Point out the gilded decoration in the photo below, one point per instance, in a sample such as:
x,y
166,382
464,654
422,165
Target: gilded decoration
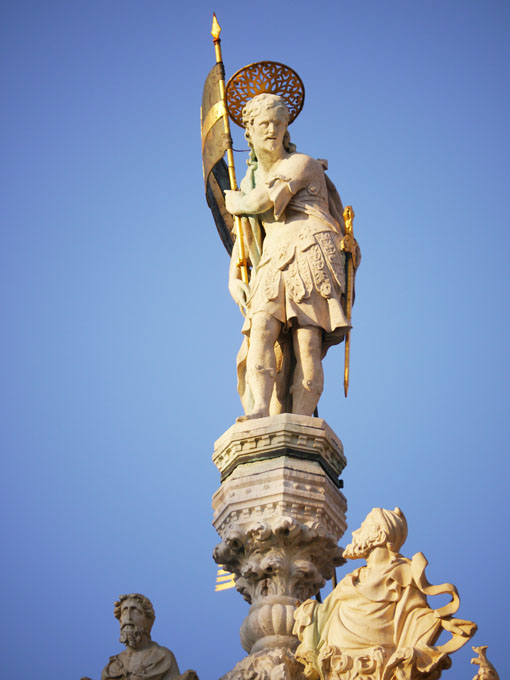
x,y
264,76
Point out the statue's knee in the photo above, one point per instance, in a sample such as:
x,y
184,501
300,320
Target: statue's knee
x,y
310,385
312,375
314,385
264,324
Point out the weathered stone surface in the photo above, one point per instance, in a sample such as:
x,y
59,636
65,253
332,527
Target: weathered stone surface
x,y
278,487
280,517
274,664
277,564
142,657
280,435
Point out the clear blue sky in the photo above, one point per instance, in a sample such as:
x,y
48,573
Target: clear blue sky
x,y
119,336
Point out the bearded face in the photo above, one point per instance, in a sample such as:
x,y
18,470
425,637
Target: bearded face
x,y
267,131
134,636
364,540
135,626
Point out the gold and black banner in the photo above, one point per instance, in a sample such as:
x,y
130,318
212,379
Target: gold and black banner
x,y
214,146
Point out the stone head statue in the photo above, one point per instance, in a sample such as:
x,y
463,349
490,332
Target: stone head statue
x,y
381,527
135,614
142,657
272,106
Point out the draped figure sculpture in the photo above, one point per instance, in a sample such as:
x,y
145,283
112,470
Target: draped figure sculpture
x,y
295,300
377,624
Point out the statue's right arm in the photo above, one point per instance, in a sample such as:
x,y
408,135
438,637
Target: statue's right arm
x,y
254,202
238,289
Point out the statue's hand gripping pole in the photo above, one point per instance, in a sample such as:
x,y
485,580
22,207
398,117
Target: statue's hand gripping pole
x,y
350,246
242,262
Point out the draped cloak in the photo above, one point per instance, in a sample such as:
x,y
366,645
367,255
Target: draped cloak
x,y
155,663
373,623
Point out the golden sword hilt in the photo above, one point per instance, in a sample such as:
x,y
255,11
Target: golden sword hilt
x,y
349,243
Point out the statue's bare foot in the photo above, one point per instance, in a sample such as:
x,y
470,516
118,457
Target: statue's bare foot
x,y
259,413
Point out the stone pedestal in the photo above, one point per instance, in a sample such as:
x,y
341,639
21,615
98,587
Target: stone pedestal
x,y
280,514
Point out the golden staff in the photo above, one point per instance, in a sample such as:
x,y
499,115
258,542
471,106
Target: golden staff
x,y
242,262
350,246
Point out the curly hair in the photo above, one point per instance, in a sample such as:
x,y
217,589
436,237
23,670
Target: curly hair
x,y
144,601
262,102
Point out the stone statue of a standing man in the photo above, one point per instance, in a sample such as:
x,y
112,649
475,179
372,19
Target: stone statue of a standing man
x,y
295,300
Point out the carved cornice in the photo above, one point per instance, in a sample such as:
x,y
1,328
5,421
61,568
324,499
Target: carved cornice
x,y
285,434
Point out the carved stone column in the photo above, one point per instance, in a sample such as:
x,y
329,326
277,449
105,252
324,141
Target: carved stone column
x,y
280,514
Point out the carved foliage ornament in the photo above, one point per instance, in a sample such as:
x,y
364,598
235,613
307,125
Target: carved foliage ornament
x,y
276,566
285,557
264,76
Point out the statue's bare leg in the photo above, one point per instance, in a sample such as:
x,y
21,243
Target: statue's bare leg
x,y
261,362
308,380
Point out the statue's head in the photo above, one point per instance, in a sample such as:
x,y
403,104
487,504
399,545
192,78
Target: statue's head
x,y
386,528
265,118
136,616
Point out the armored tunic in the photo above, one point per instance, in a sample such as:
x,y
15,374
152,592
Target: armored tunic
x,y
300,277
298,268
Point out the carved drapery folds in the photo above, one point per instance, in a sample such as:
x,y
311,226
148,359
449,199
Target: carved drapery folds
x,y
378,624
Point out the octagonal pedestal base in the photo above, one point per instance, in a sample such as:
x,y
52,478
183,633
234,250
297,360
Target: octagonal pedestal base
x,y
280,514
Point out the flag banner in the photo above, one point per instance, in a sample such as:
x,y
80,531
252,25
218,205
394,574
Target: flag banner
x,y
214,146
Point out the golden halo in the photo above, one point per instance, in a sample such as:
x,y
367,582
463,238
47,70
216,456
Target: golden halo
x,y
264,76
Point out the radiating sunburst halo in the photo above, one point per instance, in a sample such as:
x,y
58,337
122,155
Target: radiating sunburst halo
x,y
264,76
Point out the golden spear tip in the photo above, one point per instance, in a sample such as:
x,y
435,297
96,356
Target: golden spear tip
x,y
216,28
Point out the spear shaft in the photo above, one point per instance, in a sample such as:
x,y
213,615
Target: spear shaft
x,y
242,262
